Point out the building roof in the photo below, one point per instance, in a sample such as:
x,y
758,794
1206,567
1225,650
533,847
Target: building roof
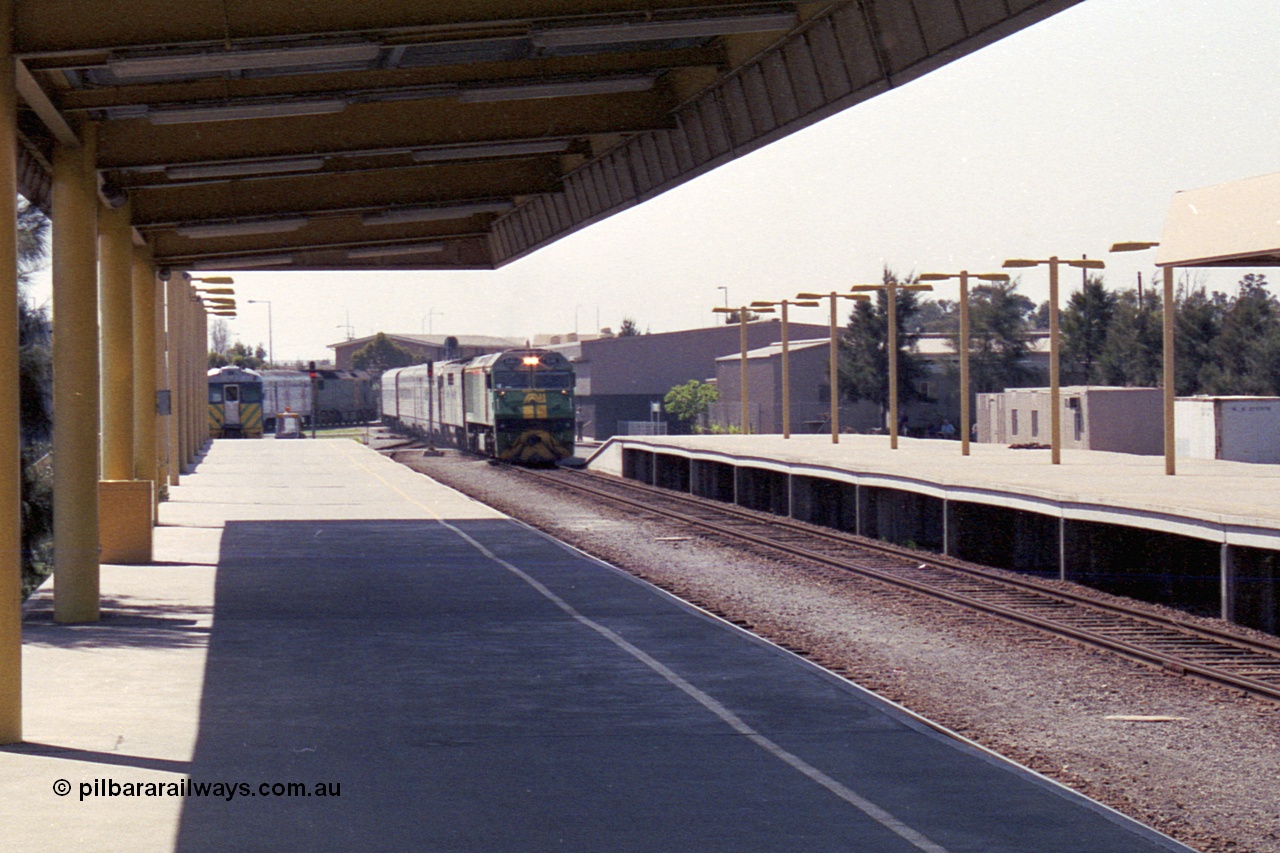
x,y
438,340
930,345
772,350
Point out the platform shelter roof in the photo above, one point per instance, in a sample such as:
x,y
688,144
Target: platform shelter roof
x,y
1235,224
329,134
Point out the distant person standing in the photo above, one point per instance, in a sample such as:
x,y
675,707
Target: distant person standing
x,y
947,430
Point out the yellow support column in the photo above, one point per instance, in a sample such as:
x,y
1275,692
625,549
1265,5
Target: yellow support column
x,y
125,501
173,352
75,382
195,407
202,356
115,289
187,321
146,460
161,367
146,457
10,443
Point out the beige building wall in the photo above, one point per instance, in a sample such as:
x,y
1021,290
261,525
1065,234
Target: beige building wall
x,y
1120,420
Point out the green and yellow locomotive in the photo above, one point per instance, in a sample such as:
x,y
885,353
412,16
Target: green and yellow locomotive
x,y
515,405
235,403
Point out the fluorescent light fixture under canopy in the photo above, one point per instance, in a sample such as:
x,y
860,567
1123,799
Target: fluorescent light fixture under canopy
x,y
658,30
243,228
243,168
215,62
243,262
396,250
556,89
434,214
493,149
237,112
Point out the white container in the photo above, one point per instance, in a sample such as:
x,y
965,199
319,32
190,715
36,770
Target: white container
x,y
1239,429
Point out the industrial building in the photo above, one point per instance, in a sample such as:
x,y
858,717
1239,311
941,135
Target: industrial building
x,y
619,379
809,391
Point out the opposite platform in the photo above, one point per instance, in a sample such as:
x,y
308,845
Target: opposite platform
x,y
1233,503
435,676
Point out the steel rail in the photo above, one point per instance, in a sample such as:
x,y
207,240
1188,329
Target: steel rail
x,y
1164,660
985,574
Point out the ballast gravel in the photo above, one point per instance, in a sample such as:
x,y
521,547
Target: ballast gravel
x,y
1197,762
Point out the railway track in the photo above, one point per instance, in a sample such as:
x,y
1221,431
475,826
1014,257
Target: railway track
x,y
1219,656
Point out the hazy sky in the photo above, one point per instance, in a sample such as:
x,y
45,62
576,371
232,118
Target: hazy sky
x,y
1061,139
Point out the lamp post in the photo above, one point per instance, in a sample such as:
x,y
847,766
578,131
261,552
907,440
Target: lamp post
x,y
786,365
1167,359
834,362
964,276
891,289
271,343
1055,416
742,315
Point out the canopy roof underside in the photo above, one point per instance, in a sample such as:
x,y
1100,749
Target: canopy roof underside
x,y
273,134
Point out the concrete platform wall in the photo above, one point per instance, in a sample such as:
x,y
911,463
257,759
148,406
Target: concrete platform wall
x,y
1185,564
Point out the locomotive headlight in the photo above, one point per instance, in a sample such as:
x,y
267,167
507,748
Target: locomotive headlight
x,y
530,361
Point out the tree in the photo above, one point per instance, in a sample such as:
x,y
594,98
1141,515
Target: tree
x,y
864,349
999,319
628,329
1133,351
219,336
1248,338
690,400
940,317
35,384
1085,323
1197,326
381,354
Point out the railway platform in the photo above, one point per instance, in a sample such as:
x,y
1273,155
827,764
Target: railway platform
x,y
1206,539
432,675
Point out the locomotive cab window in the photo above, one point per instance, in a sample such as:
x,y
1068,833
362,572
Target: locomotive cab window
x,y
215,393
231,393
251,393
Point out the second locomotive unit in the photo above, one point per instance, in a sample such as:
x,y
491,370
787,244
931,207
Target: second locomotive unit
x,y
516,405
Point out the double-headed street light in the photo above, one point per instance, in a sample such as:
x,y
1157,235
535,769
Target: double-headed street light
x,y
786,366
742,316
1055,416
964,276
891,289
1168,353
834,355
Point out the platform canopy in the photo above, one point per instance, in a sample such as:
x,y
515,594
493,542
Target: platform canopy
x,y
1236,224
332,134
